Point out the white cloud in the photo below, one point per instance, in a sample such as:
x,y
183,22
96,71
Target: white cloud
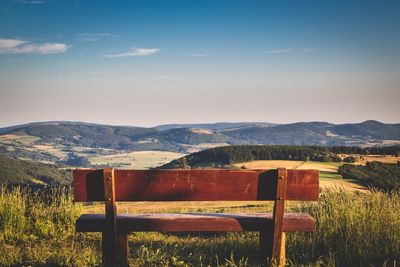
x,y
280,51
136,52
289,50
32,2
198,55
17,46
91,37
10,43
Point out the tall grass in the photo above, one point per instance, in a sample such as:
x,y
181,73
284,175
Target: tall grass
x,y
37,228
352,230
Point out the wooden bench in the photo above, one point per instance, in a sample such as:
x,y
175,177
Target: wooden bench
x,y
277,185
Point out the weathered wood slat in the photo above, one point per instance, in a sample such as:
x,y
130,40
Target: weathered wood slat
x,y
195,185
279,210
200,222
109,237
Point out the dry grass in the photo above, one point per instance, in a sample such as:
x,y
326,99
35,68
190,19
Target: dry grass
x,y
51,149
363,159
291,164
137,160
22,139
352,230
270,164
201,131
329,171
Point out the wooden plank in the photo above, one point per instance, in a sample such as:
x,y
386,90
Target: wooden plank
x,y
278,214
195,185
109,240
122,249
196,222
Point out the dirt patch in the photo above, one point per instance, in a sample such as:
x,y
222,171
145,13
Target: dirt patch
x,y
201,131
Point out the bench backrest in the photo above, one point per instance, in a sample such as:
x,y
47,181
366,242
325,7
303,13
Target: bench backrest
x,y
194,185
111,185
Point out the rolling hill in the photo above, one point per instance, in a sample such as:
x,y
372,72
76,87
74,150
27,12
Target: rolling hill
x,y
228,155
53,141
13,171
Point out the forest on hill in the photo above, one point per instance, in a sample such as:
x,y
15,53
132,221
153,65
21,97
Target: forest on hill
x,y
379,175
186,138
17,172
227,155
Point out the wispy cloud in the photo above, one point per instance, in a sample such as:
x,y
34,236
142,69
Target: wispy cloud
x,y
31,2
101,72
91,37
10,43
290,50
17,46
198,55
280,51
136,52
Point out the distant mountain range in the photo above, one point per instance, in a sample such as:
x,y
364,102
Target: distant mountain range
x,y
80,144
193,137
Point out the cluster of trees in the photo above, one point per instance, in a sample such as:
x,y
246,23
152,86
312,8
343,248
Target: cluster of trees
x,y
17,172
383,176
382,150
243,153
76,160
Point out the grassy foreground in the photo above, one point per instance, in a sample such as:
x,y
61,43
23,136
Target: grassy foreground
x,y
352,230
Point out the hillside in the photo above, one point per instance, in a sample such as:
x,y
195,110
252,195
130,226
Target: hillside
x,y
52,142
13,171
228,155
383,176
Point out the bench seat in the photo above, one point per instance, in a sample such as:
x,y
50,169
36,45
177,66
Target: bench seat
x,y
196,222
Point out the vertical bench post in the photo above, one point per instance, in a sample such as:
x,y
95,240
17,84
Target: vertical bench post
x,y
272,240
114,244
278,247
109,236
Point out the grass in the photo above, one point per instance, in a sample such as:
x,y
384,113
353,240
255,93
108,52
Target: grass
x,y
37,229
329,175
328,171
136,160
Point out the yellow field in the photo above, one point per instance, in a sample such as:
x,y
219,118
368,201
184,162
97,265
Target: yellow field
x,y
54,150
22,139
137,160
363,159
329,171
290,164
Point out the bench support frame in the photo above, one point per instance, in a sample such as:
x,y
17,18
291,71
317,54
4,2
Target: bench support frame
x,y
272,240
114,244
158,185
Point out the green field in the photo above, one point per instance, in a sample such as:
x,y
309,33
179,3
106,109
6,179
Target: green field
x,y
135,160
329,176
352,230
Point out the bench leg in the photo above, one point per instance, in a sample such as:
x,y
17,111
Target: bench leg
x,y
282,256
122,248
120,255
266,244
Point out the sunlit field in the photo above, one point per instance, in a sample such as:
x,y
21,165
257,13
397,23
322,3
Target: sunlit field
x,y
353,229
328,171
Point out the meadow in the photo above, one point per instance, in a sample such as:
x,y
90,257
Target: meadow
x,y
329,171
353,229
135,160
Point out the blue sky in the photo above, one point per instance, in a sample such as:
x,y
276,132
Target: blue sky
x,y
152,62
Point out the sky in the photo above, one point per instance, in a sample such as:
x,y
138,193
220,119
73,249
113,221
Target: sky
x,y
146,63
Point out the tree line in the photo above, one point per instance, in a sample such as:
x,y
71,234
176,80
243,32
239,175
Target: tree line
x,y
380,175
227,155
